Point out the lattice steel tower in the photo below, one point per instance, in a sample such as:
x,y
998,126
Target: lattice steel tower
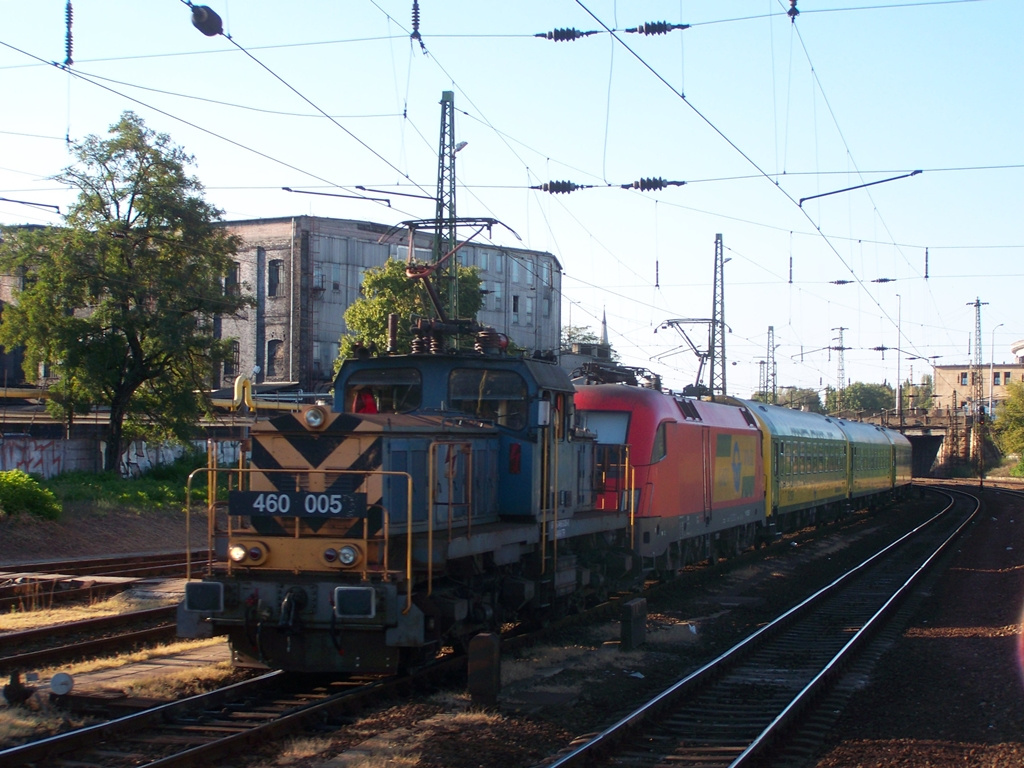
x,y
718,323
841,372
977,387
445,228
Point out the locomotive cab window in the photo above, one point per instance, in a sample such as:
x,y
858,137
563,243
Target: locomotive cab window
x,y
658,449
498,396
383,391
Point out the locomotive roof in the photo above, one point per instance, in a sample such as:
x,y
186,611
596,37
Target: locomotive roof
x,y
539,374
786,422
660,405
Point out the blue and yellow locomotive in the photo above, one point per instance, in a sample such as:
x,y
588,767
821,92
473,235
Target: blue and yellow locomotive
x,y
442,494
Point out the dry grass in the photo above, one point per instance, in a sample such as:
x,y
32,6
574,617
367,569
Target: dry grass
x,y
186,682
114,662
36,721
16,620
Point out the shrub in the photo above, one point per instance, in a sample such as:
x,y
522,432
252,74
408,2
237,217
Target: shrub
x,y
162,487
20,493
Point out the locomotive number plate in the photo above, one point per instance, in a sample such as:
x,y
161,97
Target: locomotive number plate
x,y
296,504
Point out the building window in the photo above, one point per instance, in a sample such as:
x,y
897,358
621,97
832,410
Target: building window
x,y
531,269
545,273
481,259
963,379
515,309
231,281
514,268
995,379
547,307
529,310
275,359
231,364
274,269
499,263
335,277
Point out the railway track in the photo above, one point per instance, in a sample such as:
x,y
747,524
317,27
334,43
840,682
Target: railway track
x,y
204,729
245,718
32,586
742,708
78,639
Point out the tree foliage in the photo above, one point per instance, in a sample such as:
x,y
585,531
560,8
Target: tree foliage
x,y
796,397
1008,426
858,396
578,334
117,303
919,395
386,290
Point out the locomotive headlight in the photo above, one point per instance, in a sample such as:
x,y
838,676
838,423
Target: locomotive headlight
x,y
247,553
347,555
330,554
315,417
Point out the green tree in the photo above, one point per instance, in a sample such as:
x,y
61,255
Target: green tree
x,y
577,334
800,399
386,290
858,396
1008,426
919,395
117,303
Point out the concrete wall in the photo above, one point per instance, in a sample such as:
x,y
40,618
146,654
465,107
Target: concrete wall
x,y
49,458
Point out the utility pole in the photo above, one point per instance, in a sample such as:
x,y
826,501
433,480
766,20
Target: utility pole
x,y
445,224
771,376
841,373
718,323
977,389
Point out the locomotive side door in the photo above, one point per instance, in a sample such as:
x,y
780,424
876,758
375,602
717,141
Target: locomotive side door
x,y
708,459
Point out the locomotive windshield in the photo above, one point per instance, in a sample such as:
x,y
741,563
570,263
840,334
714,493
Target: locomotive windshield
x,y
498,396
384,391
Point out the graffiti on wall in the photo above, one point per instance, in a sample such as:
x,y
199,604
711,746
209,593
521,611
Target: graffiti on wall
x,y
49,458
44,458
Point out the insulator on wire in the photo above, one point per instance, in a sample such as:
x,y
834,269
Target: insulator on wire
x,y
206,20
657,28
416,25
792,12
840,282
68,16
560,187
648,185
561,35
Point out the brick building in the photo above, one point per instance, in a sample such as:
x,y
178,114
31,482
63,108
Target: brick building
x,y
954,386
304,271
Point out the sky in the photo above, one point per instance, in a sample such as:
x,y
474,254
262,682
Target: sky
x,y
770,121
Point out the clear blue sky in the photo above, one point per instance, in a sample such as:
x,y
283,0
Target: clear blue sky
x,y
753,111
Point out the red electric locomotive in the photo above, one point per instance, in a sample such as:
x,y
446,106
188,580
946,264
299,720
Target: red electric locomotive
x,y
695,467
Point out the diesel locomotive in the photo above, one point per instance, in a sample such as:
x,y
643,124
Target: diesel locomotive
x,y
446,493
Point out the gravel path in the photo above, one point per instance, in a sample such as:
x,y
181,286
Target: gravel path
x,y
950,692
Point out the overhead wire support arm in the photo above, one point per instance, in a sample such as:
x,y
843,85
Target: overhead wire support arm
x,y
332,194
859,186
34,205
